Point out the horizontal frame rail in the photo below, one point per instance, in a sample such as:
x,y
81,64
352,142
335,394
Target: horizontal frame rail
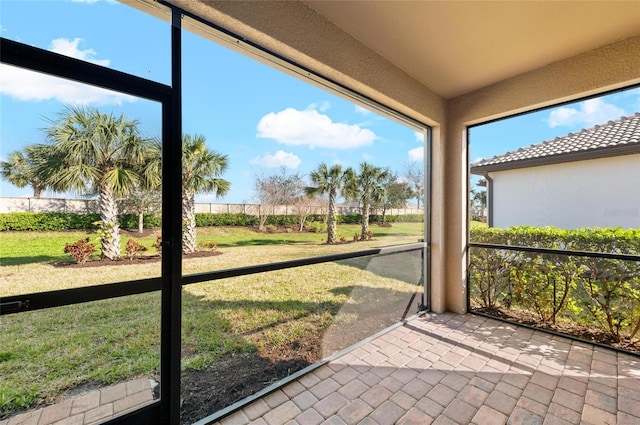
x,y
40,60
281,265
62,297
571,253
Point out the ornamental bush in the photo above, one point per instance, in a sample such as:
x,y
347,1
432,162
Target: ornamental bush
x,y
81,250
592,291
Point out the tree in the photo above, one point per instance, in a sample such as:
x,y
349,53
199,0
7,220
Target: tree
x,y
367,187
20,168
277,189
329,181
414,173
396,194
479,200
95,153
201,173
301,206
142,201
146,196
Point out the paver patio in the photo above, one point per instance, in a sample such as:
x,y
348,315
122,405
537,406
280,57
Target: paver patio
x,y
435,369
91,408
460,369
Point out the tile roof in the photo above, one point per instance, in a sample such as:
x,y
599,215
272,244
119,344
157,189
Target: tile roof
x,y
621,136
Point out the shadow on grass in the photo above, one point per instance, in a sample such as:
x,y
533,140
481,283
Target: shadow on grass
x,y
15,261
404,266
263,242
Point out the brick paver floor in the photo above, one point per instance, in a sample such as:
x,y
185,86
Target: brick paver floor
x,y
436,369
91,408
460,369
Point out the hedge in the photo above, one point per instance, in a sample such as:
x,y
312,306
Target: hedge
x,y
617,240
599,293
47,221
68,221
72,221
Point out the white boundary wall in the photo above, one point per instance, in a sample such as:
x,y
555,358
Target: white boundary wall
x,y
83,206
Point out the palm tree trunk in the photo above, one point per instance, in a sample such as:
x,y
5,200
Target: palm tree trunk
x,y
37,191
365,219
188,221
140,222
110,241
331,219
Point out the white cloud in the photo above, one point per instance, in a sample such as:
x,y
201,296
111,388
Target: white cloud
x,y
416,154
70,48
313,129
280,159
323,107
367,157
419,136
362,111
589,113
32,86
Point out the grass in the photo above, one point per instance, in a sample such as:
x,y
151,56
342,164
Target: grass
x,y
45,353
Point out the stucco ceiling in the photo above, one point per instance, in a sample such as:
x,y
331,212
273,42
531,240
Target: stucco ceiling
x,y
455,47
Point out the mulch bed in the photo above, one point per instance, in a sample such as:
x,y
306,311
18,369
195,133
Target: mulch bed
x,y
237,376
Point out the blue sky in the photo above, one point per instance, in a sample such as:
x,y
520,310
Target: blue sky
x,y
260,117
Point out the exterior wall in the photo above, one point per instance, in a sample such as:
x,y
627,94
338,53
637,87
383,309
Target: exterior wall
x,y
602,192
296,32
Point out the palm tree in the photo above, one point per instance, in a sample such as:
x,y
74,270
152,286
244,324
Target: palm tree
x,y
329,181
96,153
201,171
367,187
20,168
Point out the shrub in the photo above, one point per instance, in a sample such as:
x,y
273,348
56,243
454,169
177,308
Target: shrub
x,y
271,228
158,245
47,221
225,219
133,249
68,221
209,245
81,250
316,227
595,291
130,221
349,218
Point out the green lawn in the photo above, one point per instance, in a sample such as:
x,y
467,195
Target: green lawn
x,y
45,353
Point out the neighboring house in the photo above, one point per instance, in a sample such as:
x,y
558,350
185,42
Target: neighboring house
x,y
590,178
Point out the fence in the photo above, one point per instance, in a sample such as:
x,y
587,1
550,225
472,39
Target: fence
x,y
83,206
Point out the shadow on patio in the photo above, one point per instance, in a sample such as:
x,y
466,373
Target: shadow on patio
x,y
459,369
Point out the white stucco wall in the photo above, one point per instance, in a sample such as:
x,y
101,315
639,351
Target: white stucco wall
x,y
602,192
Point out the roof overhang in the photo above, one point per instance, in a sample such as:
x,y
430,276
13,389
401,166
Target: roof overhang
x,y
456,47
450,47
